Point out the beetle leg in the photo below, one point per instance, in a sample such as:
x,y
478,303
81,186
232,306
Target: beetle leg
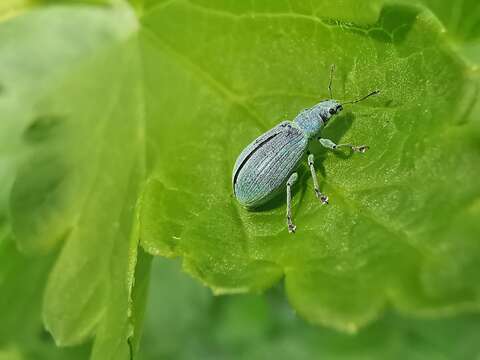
x,y
323,198
291,180
329,144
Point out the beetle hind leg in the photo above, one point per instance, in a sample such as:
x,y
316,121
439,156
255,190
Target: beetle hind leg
x,y
322,197
291,180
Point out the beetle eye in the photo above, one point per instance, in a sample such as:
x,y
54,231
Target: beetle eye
x,y
331,111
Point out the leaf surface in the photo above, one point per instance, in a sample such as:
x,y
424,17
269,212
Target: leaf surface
x,y
74,180
376,243
133,131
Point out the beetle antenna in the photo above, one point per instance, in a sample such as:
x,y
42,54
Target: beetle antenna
x,y
362,98
332,69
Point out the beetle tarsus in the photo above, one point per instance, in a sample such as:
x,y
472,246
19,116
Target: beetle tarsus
x,y
291,226
322,197
361,148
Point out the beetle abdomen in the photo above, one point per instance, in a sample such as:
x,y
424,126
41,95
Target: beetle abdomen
x,y
264,166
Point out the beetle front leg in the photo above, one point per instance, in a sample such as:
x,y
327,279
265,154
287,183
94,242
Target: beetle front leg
x,y
329,144
323,198
291,180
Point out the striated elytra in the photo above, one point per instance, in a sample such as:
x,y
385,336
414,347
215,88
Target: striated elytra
x,y
267,165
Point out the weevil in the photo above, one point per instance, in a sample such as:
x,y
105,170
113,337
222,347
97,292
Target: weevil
x,y
268,165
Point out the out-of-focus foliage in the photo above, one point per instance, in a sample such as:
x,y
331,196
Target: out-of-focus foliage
x,y
54,197
121,121
22,334
194,325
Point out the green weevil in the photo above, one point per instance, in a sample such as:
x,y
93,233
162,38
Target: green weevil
x,y
268,164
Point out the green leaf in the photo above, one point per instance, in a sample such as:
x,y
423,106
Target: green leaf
x,y
462,22
136,120
74,180
461,19
10,8
232,74
22,281
194,324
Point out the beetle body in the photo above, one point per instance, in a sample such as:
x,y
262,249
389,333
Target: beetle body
x,y
267,165
263,167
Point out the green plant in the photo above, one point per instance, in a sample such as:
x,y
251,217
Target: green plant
x,y
121,122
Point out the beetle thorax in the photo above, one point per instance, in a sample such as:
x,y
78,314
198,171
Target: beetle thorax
x,y
312,120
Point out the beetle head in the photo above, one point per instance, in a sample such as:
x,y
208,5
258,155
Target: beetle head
x,y
326,109
312,120
333,107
